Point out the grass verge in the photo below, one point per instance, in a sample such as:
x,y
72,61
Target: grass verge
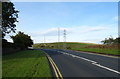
x,y
86,47
28,63
98,50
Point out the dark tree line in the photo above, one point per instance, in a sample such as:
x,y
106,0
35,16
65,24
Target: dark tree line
x,y
111,40
9,18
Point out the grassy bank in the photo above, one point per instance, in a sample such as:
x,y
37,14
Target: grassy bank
x,y
88,47
28,63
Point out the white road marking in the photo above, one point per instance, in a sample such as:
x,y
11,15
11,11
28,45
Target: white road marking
x,y
106,68
80,57
93,62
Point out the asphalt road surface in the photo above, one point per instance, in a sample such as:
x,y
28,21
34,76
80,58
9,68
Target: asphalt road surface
x,y
80,64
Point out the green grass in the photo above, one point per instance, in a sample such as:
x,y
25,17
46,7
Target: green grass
x,y
28,63
98,50
79,47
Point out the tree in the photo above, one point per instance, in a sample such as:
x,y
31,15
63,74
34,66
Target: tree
x,y
9,18
22,40
108,41
105,41
117,40
111,40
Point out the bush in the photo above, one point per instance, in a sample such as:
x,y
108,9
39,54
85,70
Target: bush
x,y
22,40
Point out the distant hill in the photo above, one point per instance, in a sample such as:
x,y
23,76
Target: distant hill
x,y
79,46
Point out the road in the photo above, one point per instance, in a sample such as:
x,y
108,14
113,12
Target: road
x,y
80,64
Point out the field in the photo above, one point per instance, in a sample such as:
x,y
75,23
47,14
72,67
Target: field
x,y
28,63
88,47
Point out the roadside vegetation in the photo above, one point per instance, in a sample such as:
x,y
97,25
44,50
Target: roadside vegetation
x,y
21,41
88,47
28,63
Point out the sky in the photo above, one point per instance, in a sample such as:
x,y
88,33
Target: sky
x,y
64,0
88,22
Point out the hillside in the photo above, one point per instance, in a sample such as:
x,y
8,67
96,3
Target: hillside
x,y
88,47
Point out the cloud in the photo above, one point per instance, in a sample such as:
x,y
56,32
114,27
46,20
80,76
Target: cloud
x,y
74,34
91,40
93,34
69,30
87,29
97,28
51,32
116,18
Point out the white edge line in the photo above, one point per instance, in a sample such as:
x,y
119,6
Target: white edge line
x,y
93,62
